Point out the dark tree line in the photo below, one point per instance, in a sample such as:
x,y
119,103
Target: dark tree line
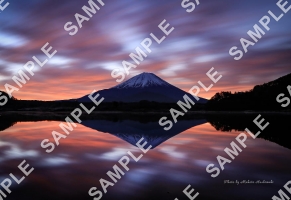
x,y
261,97
59,106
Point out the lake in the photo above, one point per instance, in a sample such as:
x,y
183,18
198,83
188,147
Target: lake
x,y
178,158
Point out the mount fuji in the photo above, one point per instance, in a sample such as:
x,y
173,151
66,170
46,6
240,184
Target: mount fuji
x,y
145,86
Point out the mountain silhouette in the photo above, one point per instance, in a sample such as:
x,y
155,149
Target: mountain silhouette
x,y
143,87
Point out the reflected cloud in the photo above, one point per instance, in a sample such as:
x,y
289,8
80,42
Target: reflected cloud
x,y
172,151
15,152
202,163
56,161
88,153
115,154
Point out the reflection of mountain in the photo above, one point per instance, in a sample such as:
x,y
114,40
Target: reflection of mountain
x,y
128,127
277,131
145,86
132,131
131,127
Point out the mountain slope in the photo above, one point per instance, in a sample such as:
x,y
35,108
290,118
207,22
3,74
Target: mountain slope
x,y
145,86
261,97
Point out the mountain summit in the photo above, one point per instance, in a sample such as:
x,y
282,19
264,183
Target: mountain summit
x,y
143,80
145,86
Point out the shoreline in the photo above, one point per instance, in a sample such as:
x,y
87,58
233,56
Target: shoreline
x,y
148,113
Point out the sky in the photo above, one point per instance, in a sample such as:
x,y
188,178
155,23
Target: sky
x,y
201,40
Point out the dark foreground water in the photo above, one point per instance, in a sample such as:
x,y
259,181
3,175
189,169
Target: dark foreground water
x,y
178,158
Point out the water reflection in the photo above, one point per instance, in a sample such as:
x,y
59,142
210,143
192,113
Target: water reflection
x,y
178,158
275,132
131,128
133,131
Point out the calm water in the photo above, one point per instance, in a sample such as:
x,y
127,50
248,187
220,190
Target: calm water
x,y
179,158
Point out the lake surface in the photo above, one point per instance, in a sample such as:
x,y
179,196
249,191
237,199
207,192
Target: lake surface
x,y
178,158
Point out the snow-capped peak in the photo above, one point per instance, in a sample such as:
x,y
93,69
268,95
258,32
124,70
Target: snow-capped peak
x,y
143,80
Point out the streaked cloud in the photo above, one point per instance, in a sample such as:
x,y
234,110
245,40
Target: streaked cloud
x,y
201,40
